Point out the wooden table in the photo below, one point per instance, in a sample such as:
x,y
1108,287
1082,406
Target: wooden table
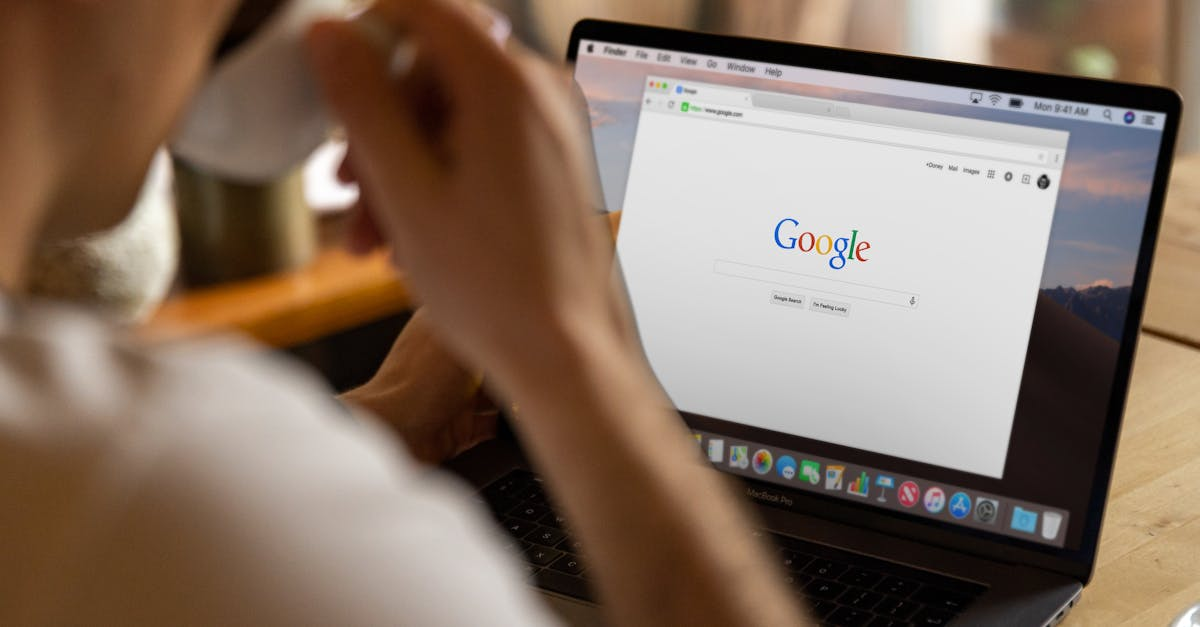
x,y
1149,561
1148,568
1173,302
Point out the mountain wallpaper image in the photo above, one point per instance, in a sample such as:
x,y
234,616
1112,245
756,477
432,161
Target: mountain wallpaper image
x,y
1101,306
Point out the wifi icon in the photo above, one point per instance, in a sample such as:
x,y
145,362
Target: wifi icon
x,y
995,99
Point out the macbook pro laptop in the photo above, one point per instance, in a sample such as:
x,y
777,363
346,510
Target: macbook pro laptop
x,y
897,298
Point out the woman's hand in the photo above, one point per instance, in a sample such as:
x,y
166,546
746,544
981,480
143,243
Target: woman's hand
x,y
433,404
473,167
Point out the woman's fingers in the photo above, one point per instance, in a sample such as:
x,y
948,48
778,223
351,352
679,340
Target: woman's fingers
x,y
357,83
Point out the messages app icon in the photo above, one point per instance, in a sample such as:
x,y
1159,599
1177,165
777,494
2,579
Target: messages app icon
x,y
810,471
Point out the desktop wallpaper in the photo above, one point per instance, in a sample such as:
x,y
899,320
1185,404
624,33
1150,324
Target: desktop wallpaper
x,y
1101,207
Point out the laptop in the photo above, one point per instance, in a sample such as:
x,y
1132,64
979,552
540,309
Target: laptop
x,y
898,299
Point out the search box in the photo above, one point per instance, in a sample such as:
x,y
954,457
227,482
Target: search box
x,y
822,285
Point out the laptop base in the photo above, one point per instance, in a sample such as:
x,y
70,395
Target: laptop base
x,y
1015,594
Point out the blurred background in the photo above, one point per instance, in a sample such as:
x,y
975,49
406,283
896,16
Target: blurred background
x,y
1144,41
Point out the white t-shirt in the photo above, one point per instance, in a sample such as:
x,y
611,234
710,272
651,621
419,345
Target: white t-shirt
x,y
215,484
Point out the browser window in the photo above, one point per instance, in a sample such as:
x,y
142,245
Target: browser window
x,y
840,271
774,245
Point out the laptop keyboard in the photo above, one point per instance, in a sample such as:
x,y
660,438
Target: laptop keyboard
x,y
840,587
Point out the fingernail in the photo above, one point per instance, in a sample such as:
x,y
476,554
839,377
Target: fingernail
x,y
500,27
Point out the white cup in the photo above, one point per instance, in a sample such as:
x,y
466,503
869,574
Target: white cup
x,y
259,113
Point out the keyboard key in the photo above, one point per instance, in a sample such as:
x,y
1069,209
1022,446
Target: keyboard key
x,y
515,545
892,607
571,545
848,617
507,486
827,569
553,520
861,577
888,622
796,580
569,564
500,504
932,617
546,536
860,599
793,560
532,494
529,512
563,583
824,589
821,609
943,599
541,555
897,587
518,528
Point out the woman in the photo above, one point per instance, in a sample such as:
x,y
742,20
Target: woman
x,y
210,485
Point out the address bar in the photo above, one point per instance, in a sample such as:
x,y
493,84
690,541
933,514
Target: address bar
x,y
822,285
861,131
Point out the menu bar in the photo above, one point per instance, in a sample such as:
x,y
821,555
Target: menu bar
x,y
887,490
1022,103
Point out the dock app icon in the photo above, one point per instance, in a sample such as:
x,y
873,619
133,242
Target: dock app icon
x,y
833,477
810,471
716,451
739,457
1024,519
1051,522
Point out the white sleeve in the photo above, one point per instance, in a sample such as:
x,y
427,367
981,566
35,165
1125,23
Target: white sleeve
x,y
223,488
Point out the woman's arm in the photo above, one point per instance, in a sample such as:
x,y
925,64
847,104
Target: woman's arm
x,y
474,171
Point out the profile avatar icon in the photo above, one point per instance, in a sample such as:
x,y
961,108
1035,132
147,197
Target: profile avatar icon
x,y
1043,182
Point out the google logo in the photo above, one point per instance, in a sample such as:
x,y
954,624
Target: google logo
x,y
845,249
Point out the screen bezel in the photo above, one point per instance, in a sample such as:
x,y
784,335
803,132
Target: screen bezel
x,y
1078,563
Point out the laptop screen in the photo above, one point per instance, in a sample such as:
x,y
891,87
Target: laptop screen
x,y
905,295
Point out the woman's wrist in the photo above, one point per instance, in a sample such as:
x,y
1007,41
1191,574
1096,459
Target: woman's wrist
x,y
572,363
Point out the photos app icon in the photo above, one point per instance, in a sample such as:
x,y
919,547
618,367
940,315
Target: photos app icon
x,y
762,461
